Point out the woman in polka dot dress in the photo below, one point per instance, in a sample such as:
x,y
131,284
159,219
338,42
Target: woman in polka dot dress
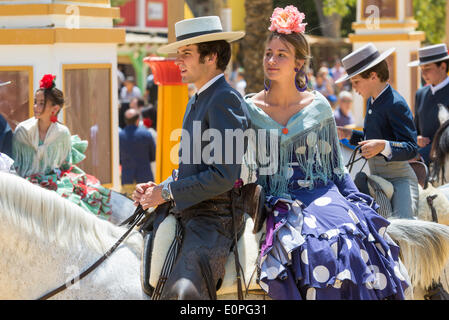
x,y
324,239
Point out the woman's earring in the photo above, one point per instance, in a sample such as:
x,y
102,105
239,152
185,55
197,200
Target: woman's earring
x,y
53,118
300,73
267,87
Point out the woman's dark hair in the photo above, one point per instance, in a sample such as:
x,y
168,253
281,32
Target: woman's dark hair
x,y
302,51
220,47
54,95
381,69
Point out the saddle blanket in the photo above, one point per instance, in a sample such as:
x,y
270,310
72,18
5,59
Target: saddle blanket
x,y
248,248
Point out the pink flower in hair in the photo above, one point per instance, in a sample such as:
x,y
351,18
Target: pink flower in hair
x,y
287,20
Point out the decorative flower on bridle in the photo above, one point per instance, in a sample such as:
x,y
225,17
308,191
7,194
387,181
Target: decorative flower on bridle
x,y
47,82
287,20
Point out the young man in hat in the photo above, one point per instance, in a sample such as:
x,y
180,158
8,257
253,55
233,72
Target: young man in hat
x,y
434,64
388,139
5,132
202,193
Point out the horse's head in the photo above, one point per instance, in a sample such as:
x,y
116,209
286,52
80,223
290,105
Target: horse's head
x,y
439,149
443,113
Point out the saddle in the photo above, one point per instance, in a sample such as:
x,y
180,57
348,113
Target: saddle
x,y
162,237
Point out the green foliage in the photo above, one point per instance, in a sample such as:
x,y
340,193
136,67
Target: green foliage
x,y
431,16
346,8
118,3
341,7
309,9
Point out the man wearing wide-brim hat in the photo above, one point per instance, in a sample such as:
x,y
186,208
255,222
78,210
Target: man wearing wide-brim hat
x,y
201,192
5,131
434,63
388,139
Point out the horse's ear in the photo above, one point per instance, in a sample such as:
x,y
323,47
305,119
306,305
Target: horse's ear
x,y
443,113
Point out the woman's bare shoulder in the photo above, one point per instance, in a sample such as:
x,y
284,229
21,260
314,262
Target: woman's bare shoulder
x,y
258,99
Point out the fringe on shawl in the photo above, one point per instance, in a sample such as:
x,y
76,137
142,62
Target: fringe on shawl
x,y
317,154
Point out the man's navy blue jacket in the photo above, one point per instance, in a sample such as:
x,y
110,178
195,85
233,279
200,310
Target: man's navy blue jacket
x,y
426,114
389,118
203,170
137,151
5,137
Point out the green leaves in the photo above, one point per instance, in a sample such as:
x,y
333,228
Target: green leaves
x,y
431,16
341,7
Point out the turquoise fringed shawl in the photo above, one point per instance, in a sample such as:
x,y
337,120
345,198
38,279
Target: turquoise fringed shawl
x,y
312,137
30,157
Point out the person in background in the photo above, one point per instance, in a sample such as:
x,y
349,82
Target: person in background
x,y
342,114
148,116
151,90
5,132
324,85
45,153
129,90
121,114
434,64
388,139
120,79
137,103
337,70
137,151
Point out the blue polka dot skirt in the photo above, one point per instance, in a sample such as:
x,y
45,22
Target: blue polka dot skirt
x,y
323,245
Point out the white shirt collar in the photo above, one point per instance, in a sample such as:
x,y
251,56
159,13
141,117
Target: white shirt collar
x,y
209,83
372,99
439,86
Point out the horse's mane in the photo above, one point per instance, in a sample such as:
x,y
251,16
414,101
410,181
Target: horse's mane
x,y
46,215
438,151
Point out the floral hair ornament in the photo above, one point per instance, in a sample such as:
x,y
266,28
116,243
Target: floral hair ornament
x,y
47,82
287,20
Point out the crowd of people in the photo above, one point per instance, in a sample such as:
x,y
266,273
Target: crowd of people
x,y
137,115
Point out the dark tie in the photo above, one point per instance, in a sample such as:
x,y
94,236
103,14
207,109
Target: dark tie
x,y
195,99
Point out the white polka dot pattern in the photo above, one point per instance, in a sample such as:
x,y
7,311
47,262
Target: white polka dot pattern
x,y
321,274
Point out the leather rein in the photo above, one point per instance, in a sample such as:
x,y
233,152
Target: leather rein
x,y
133,220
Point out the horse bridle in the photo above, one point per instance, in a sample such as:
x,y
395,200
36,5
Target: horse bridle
x,y
353,160
133,220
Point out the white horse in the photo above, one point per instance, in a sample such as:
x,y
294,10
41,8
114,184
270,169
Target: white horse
x,y
121,207
46,240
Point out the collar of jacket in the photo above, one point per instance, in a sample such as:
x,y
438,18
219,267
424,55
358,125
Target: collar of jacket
x,y
381,98
220,82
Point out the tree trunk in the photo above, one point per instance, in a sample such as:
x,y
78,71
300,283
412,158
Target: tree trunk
x,y
330,25
257,21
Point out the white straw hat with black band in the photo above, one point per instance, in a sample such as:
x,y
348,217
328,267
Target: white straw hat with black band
x,y
431,54
362,59
4,83
196,30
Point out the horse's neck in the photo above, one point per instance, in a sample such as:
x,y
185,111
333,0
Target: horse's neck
x,y
31,268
